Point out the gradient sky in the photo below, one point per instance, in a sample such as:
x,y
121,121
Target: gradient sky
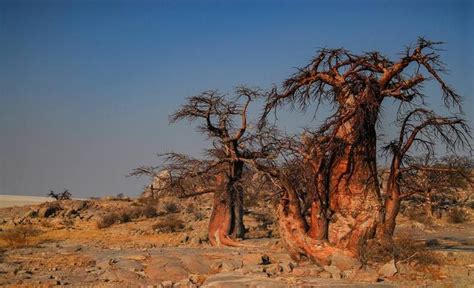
x,y
86,87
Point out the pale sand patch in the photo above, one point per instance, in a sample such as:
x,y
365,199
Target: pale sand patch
x,y
15,200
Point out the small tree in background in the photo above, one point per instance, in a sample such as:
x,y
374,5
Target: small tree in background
x,y
422,129
65,195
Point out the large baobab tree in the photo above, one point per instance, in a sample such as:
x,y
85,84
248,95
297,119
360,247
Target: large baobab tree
x,y
420,128
302,210
225,122
344,147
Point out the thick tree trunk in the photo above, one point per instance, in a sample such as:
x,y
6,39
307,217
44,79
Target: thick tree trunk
x,y
238,230
293,232
226,223
318,228
353,183
352,188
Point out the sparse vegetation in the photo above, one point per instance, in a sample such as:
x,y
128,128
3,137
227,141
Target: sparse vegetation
x,y
126,215
65,195
169,224
458,215
404,249
19,236
171,207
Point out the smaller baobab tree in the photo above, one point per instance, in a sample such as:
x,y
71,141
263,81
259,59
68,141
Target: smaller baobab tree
x,y
224,121
420,129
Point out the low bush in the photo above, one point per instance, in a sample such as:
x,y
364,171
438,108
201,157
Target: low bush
x,y
404,249
458,215
106,220
168,225
198,216
19,236
171,207
418,215
126,215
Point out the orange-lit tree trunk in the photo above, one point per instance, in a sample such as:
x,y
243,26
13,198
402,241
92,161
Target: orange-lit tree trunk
x,y
392,203
294,233
226,223
353,185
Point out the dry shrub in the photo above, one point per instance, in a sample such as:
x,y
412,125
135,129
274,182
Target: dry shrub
x,y
458,215
198,216
419,216
168,224
171,207
106,220
404,249
190,209
126,215
19,236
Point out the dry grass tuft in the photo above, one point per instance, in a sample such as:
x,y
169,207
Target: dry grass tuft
x,y
458,215
404,249
171,207
168,224
126,215
20,236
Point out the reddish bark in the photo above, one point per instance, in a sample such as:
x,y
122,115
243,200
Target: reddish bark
x,y
293,232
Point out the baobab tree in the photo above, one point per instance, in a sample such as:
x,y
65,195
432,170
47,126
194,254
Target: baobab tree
x,y
225,122
345,145
420,128
302,211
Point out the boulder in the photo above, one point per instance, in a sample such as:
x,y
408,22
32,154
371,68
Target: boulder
x,y
48,211
388,269
31,214
231,265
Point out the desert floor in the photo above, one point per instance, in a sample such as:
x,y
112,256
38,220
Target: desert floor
x,y
70,243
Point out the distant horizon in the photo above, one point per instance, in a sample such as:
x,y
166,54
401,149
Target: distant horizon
x,y
87,87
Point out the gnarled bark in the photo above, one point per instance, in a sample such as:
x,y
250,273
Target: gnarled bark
x,y
295,236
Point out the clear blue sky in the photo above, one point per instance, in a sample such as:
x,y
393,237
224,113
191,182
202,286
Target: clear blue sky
x,y
86,87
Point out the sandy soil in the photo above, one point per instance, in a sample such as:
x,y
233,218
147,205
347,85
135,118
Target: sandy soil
x,y
68,249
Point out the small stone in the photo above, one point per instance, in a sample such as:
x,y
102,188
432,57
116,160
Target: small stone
x,y
167,284
307,271
266,260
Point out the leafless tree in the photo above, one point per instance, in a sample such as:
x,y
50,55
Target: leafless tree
x,y
422,129
65,195
344,147
225,122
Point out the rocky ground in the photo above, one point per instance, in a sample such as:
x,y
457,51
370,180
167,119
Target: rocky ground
x,y
122,242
